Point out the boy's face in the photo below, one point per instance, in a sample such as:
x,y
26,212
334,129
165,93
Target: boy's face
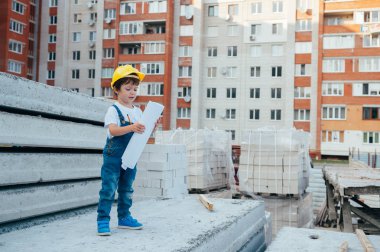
x,y
127,93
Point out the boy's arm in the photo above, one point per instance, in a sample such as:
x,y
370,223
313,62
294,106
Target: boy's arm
x,y
119,131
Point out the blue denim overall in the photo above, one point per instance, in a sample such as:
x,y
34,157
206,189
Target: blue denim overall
x,y
113,176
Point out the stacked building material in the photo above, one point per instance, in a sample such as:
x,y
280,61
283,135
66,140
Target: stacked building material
x,y
289,212
161,171
274,162
318,189
208,155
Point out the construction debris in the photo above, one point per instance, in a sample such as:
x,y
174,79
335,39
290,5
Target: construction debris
x,y
206,202
367,245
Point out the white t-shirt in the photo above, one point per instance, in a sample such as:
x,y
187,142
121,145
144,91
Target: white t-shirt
x,y
112,116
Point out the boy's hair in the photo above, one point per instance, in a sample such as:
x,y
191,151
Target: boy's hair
x,y
126,80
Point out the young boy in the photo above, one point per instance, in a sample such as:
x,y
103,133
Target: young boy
x,y
121,121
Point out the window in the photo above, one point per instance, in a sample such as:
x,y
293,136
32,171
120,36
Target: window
x,y
92,55
232,51
76,1
77,18
18,7
108,53
93,16
187,11
233,9
232,30
211,72
255,51
151,89
16,26
303,5
334,21
277,29
91,73
255,29
109,33
185,71
303,47
127,8
154,48
76,36
302,92
53,20
276,71
231,72
51,56
332,89
366,89
157,6
186,30
212,52
333,113
184,91
210,113
334,66
338,41
371,113
231,93
371,16
275,93
212,31
369,64
371,40
184,51
233,134
277,50
75,74
50,75
256,8
332,136
128,28
277,6
303,25
254,93
275,114
15,46
76,55
14,67
183,113
254,114
107,92
301,115
255,71
302,69
213,10
371,137
152,68
52,38
211,93
110,14
230,114
107,72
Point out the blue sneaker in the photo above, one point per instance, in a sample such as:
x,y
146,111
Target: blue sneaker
x,y
104,228
130,223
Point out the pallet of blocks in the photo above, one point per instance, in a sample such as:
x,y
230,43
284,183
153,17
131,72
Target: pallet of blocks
x,y
274,162
162,171
208,153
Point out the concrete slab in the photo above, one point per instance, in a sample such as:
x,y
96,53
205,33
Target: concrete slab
x,y
299,239
169,225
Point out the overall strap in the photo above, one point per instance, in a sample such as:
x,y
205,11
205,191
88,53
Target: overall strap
x,y
121,117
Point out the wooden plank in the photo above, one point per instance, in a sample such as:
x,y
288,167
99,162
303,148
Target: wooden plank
x,y
367,245
344,247
347,219
370,190
362,214
206,202
330,202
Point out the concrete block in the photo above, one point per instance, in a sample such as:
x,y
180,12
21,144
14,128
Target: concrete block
x,y
16,92
42,132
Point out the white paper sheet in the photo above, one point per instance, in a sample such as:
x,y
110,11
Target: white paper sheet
x,y
138,141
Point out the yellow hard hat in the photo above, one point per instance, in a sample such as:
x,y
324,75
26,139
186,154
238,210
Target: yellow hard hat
x,y
126,71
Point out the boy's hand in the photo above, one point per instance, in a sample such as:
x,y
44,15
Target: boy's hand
x,y
138,128
156,124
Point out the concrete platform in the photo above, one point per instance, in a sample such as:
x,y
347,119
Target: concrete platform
x,y
169,225
298,239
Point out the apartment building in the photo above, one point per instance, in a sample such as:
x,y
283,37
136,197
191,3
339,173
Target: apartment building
x,y
349,80
19,27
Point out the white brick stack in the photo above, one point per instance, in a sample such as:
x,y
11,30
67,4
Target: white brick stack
x,y
161,171
208,155
274,162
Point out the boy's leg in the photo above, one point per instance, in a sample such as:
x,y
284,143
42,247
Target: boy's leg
x,y
125,191
110,176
